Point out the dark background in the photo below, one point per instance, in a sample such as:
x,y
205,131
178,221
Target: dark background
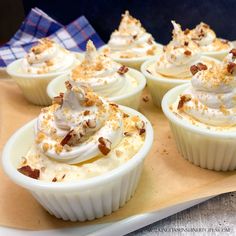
x,y
104,15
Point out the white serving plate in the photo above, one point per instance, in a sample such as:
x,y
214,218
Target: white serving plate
x,y
116,228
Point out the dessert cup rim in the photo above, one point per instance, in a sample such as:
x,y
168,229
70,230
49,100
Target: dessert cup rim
x,y
174,92
10,70
135,59
167,80
33,184
140,87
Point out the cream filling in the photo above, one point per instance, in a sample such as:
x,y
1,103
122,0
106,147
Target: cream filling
x,y
50,169
152,69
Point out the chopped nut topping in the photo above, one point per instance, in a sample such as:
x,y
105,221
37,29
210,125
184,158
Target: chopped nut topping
x,y
123,70
127,134
185,43
231,67
195,68
233,51
54,179
183,99
91,123
186,31
145,98
140,125
67,138
104,145
58,99
45,147
114,105
135,36
187,53
28,171
150,41
68,85
125,115
87,112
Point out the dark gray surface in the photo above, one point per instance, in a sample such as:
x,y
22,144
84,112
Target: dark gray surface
x,y
212,217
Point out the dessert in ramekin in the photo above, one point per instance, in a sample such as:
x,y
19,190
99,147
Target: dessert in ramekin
x,y
106,77
202,115
131,45
207,41
43,62
82,157
171,68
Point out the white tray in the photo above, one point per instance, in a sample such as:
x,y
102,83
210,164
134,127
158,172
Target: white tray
x,y
115,228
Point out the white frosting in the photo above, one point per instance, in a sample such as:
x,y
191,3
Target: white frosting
x,y
206,38
57,121
213,96
131,39
46,57
101,74
178,55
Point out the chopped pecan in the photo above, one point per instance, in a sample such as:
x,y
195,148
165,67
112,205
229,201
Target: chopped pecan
x,y
54,179
58,99
87,112
67,138
233,51
114,105
28,171
145,98
183,99
122,70
68,85
127,134
150,41
104,145
187,53
135,36
195,68
91,123
125,115
231,67
186,31
185,43
140,125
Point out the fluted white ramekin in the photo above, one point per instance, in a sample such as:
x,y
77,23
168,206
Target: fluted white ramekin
x,y
34,86
158,84
130,99
86,199
134,63
210,149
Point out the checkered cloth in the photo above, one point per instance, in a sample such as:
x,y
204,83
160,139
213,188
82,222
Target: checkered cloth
x,y
39,25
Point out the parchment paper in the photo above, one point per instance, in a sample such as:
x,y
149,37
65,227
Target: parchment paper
x,y
167,178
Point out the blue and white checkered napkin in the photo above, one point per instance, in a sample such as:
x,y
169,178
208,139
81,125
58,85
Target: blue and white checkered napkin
x,y
39,25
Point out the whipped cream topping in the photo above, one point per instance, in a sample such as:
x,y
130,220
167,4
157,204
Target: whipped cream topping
x,y
212,97
47,56
131,39
80,127
206,38
178,55
102,74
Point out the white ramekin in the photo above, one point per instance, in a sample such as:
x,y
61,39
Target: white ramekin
x,y
130,99
134,63
83,200
158,85
219,55
214,150
34,86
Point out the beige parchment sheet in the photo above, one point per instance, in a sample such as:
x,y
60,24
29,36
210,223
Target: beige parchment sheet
x,y
167,178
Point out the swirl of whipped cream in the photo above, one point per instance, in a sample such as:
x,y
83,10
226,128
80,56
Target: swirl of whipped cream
x,y
178,55
46,57
212,97
82,126
131,39
206,38
102,74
